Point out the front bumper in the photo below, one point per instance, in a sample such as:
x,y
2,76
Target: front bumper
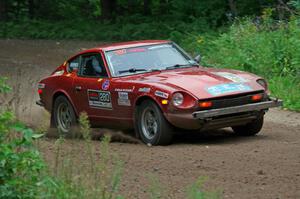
x,y
222,117
238,109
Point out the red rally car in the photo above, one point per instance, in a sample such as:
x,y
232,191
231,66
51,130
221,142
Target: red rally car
x,y
154,87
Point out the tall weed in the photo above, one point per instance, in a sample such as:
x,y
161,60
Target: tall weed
x,y
263,46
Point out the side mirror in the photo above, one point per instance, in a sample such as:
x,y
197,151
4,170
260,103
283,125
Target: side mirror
x,y
198,59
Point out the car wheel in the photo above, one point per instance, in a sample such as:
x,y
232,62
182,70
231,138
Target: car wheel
x,y
152,126
63,115
251,128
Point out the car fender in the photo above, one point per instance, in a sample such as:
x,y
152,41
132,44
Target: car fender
x,y
63,92
149,96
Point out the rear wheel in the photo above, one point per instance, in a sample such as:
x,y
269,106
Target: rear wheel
x,y
63,115
251,128
152,126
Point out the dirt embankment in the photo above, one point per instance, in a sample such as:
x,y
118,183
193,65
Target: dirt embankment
x,y
265,166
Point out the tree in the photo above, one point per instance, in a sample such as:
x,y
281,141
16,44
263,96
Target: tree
x,y
107,8
147,7
31,9
3,10
232,6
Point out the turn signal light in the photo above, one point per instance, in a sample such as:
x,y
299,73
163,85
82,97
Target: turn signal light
x,y
206,104
256,97
164,102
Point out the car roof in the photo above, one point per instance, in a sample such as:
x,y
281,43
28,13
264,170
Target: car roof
x,y
121,45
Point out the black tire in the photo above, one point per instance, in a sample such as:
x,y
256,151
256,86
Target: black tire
x,y
251,128
63,123
164,130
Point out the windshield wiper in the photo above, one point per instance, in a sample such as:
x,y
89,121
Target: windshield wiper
x,y
155,70
177,66
132,70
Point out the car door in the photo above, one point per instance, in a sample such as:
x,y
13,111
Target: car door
x,y
92,92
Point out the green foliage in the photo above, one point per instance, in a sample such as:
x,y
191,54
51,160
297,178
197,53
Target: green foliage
x,y
85,126
98,177
127,20
196,191
268,49
155,189
20,163
288,89
265,47
95,30
3,87
23,173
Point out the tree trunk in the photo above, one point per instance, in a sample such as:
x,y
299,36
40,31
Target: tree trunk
x,y
147,7
3,10
31,9
232,6
107,8
163,4
131,6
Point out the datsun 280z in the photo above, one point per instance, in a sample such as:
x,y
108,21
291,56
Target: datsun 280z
x,y
155,87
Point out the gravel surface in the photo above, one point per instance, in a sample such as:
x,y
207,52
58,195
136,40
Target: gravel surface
x,y
264,166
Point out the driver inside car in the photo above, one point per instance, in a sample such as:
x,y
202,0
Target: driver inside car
x,y
96,66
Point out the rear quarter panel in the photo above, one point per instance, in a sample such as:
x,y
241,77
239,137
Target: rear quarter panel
x,y
57,84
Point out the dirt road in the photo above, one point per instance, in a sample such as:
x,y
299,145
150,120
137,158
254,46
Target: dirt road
x,y
264,166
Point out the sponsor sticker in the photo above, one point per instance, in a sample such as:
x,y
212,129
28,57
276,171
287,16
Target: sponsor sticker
x,y
123,99
136,50
128,90
123,95
144,90
105,85
120,52
161,94
124,102
232,77
99,99
228,88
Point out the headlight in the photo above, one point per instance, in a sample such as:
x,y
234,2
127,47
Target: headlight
x,y
177,99
263,83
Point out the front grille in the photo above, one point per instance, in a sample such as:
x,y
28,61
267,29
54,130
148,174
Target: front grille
x,y
231,101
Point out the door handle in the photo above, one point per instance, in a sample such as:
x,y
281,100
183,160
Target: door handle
x,y
78,88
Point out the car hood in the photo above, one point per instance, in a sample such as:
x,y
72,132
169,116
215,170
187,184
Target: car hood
x,y
202,82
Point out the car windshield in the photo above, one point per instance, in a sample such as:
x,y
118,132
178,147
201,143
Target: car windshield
x,y
129,61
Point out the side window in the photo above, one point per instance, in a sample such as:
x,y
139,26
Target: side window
x,y
73,64
92,66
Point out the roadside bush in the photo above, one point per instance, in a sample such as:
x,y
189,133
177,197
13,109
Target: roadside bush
x,y
265,47
20,163
23,173
97,177
123,30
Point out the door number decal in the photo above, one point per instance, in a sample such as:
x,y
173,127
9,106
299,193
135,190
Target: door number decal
x,y
99,99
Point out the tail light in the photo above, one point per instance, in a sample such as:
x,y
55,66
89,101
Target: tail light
x,y
41,86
